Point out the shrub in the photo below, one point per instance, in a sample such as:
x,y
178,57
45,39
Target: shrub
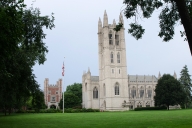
x,y
67,110
43,111
96,110
53,110
90,110
77,107
21,111
150,108
31,111
75,110
84,110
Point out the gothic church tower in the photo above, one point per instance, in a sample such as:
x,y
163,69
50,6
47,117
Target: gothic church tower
x,y
113,79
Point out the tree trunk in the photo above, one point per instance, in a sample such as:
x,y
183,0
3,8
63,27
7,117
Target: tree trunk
x,y
9,111
186,20
167,107
5,111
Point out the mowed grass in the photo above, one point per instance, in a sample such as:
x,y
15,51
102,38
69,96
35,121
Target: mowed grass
x,y
128,119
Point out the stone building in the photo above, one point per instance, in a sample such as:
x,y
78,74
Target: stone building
x,y
52,93
113,89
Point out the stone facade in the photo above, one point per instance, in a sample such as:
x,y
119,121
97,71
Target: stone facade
x,y
52,93
113,89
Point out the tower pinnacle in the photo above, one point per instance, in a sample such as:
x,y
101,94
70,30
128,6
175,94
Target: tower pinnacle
x,y
175,75
105,19
159,76
99,25
114,23
88,70
121,19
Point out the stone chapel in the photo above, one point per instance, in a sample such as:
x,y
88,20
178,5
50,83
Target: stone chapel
x,y
113,89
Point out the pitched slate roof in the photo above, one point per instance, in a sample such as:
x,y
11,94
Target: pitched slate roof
x,y
142,78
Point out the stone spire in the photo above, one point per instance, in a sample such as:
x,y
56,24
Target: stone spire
x,y
88,70
121,18
105,19
175,75
99,25
159,76
114,23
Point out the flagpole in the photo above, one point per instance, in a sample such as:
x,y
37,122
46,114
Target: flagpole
x,y
63,85
63,94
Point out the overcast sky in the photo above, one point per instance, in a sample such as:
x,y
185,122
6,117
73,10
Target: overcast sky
x,y
75,38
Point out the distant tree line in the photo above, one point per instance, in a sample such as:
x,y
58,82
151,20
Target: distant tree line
x,y
22,46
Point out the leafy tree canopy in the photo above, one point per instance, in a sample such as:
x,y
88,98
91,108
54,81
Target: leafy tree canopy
x,y
168,91
76,89
21,46
172,12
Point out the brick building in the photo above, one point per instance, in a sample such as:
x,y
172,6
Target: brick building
x,y
52,93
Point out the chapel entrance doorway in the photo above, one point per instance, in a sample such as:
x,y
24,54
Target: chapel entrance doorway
x,y
52,106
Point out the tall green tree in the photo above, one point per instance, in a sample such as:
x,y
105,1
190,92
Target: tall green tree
x,y
72,96
75,89
38,100
168,91
22,46
173,12
185,81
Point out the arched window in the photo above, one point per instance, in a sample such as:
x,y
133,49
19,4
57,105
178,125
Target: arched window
x,y
95,93
149,92
110,38
116,89
118,57
111,57
141,92
133,92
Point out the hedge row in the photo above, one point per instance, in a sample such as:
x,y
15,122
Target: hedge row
x,y
68,110
150,108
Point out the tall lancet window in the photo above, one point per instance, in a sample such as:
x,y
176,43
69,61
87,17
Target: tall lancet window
x,y
95,93
118,57
149,92
104,90
117,39
133,93
141,93
110,38
111,57
116,89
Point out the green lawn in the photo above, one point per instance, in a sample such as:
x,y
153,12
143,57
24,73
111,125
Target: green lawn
x,y
129,119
